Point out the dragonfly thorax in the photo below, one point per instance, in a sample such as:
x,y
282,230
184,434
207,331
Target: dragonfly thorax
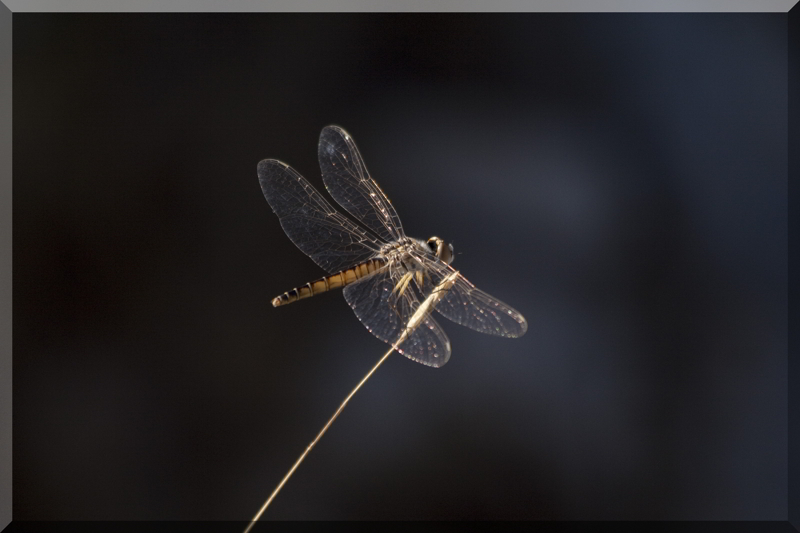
x,y
403,251
408,252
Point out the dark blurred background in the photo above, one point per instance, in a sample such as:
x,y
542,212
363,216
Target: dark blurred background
x,y
619,179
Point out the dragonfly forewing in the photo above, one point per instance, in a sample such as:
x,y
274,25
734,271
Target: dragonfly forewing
x,y
467,305
348,182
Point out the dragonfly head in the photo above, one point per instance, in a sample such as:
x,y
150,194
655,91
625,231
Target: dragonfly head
x,y
443,250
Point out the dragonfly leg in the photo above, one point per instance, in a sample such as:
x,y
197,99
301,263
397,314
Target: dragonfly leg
x,y
402,285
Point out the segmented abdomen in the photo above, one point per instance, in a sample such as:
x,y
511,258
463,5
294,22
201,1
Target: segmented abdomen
x,y
334,281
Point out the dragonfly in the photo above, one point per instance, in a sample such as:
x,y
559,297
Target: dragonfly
x,y
383,273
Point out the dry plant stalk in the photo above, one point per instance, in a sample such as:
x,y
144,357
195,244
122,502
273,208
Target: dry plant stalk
x,y
416,319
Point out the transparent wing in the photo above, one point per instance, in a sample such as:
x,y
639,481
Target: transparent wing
x,y
325,235
349,183
469,306
385,314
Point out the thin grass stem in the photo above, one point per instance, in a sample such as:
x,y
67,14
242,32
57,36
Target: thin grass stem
x,y
422,311
316,440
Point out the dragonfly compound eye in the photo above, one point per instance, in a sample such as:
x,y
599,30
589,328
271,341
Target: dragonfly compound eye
x,y
433,244
444,252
